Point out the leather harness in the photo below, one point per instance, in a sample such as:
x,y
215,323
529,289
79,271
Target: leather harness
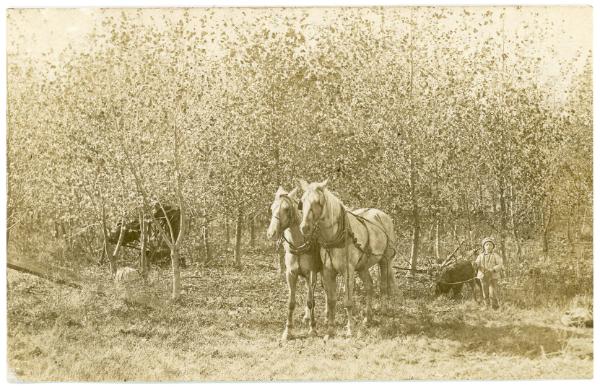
x,y
345,231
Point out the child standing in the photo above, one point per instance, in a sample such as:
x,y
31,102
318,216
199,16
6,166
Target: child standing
x,y
489,264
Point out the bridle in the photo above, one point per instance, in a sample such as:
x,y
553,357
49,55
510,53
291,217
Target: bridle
x,y
341,221
315,222
293,217
294,220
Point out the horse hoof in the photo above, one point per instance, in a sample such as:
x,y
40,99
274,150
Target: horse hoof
x,y
305,320
286,336
312,333
367,321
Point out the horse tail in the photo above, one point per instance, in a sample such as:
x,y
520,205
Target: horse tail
x,y
388,259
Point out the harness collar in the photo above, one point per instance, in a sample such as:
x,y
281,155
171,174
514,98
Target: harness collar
x,y
340,239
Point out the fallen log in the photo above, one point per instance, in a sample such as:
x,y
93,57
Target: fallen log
x,y
48,277
71,284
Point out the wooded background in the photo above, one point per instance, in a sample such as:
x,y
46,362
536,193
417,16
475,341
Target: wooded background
x,y
445,118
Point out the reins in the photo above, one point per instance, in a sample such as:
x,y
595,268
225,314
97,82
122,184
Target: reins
x,y
456,283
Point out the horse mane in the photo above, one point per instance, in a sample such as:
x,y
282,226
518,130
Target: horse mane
x,y
331,198
297,212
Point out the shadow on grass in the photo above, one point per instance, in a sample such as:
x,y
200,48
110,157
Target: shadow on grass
x,y
524,340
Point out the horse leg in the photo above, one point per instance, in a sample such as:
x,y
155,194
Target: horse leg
x,y
349,298
473,289
384,284
307,310
477,290
365,276
310,302
383,277
393,289
456,291
330,287
306,317
291,279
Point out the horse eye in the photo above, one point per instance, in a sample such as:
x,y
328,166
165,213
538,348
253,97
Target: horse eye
x,y
300,205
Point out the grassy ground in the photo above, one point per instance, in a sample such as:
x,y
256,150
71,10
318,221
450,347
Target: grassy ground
x,y
228,323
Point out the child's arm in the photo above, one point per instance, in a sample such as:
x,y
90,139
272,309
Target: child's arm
x,y
499,264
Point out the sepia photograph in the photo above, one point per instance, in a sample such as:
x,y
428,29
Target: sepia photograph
x,y
299,193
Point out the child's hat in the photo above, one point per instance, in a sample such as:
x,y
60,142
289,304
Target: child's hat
x,y
488,239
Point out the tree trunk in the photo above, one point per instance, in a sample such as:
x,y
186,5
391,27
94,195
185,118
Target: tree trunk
x,y
71,240
545,243
513,223
63,233
455,232
176,273
205,239
9,217
143,237
469,226
109,255
503,224
437,238
56,229
113,256
430,247
570,241
227,234
100,261
546,220
572,220
481,201
252,231
238,238
414,252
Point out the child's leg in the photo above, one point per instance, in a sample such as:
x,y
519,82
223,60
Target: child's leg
x,y
493,293
485,283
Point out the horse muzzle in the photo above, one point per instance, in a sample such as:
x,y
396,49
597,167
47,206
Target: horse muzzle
x,y
306,229
271,233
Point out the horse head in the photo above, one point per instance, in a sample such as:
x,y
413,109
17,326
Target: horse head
x,y
283,212
313,205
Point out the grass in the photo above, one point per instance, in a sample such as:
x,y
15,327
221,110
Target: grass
x,y
227,327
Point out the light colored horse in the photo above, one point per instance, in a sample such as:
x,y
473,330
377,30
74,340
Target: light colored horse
x,y
301,255
350,241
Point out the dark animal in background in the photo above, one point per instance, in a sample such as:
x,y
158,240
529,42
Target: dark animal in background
x,y
452,279
132,232
173,215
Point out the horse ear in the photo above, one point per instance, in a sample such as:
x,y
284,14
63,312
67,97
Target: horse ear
x,y
303,184
292,194
323,184
280,190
